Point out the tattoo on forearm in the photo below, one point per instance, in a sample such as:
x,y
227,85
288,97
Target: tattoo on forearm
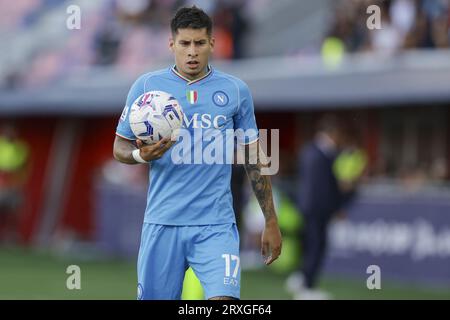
x,y
261,185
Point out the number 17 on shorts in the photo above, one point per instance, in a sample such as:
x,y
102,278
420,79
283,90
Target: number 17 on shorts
x,y
232,265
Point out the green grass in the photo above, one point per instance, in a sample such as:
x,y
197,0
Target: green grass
x,y
30,275
26,274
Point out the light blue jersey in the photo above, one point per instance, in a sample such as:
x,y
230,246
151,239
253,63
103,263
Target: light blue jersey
x,y
186,188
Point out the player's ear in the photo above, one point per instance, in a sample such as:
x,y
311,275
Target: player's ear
x,y
212,42
171,44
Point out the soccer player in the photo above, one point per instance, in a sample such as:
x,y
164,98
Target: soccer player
x,y
189,218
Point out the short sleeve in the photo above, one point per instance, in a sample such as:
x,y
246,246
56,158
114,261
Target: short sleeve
x,y
123,128
244,120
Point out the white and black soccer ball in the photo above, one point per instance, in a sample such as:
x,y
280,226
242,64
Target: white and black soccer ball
x,y
154,116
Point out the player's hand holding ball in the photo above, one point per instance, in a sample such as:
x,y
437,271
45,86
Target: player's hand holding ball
x,y
150,152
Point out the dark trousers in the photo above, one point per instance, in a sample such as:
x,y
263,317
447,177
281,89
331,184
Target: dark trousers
x,y
314,241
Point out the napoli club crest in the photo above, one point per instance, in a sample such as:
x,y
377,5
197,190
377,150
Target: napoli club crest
x,y
220,98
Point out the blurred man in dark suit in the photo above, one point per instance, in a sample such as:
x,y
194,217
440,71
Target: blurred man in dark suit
x,y
320,197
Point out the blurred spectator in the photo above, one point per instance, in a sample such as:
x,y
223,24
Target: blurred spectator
x,y
13,161
403,13
320,199
405,24
332,52
130,34
133,34
390,38
14,14
107,43
222,32
229,28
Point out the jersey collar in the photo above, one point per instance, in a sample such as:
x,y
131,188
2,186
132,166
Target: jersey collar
x,y
189,82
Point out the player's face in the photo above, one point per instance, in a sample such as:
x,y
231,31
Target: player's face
x,y
192,48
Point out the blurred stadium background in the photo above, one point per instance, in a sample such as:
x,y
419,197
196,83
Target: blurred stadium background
x,y
64,200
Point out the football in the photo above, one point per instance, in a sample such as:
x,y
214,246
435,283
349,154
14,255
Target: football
x,y
154,116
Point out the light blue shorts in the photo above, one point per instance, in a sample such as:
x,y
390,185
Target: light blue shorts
x,y
166,252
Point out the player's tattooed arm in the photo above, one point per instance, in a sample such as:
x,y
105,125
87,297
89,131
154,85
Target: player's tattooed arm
x,y
261,184
124,148
262,187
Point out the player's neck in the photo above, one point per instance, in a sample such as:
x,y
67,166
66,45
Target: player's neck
x,y
190,77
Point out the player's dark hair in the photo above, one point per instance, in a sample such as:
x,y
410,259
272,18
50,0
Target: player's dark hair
x,y
191,17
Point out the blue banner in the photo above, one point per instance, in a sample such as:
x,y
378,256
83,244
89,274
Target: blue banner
x,y
407,236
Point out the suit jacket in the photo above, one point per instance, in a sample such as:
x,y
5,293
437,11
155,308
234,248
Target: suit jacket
x,y
319,193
